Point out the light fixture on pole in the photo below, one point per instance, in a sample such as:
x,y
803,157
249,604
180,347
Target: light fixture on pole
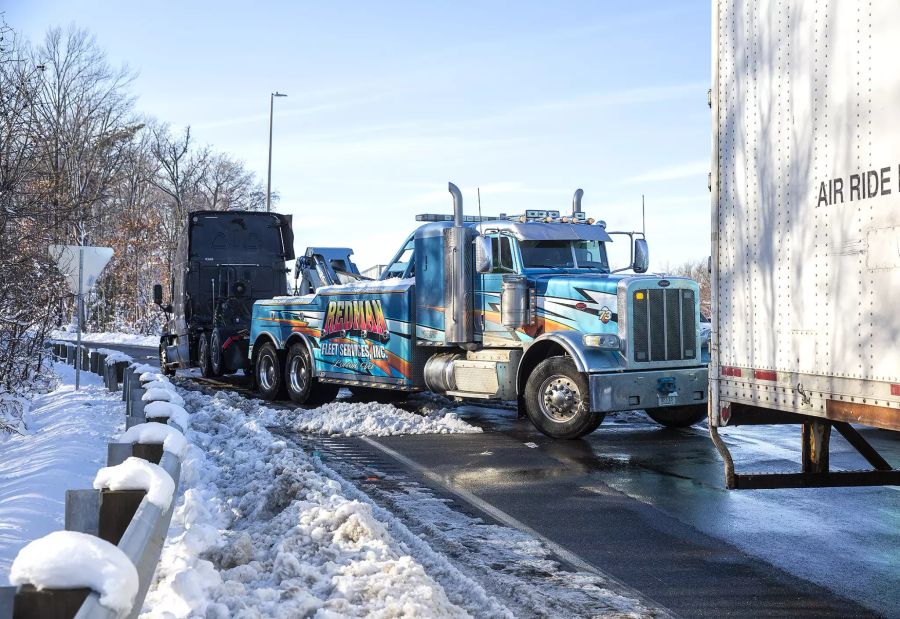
x,y
269,182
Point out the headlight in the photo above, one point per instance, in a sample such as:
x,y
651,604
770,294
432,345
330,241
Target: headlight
x,y
606,341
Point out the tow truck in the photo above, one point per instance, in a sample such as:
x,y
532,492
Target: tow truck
x,y
520,309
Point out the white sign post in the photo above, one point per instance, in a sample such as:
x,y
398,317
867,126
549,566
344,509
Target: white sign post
x,y
81,266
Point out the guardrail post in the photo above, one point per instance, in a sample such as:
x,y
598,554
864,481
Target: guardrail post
x,y
29,603
85,358
7,600
70,354
101,364
92,361
126,383
83,511
117,508
117,453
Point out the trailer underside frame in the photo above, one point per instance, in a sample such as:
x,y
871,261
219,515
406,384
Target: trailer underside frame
x,y
815,450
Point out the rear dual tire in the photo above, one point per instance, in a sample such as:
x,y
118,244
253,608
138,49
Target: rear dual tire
x,y
294,378
267,373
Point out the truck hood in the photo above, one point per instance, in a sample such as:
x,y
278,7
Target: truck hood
x,y
578,300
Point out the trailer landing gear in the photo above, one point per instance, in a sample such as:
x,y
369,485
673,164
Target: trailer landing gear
x,y
815,471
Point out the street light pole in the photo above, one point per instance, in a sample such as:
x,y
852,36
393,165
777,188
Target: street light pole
x,y
269,182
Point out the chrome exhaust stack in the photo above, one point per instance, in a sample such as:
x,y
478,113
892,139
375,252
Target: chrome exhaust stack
x,y
459,326
576,201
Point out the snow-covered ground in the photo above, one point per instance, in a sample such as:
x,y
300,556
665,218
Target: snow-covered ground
x,y
128,339
65,445
263,528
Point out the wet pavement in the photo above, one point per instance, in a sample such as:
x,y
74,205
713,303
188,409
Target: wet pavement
x,y
647,506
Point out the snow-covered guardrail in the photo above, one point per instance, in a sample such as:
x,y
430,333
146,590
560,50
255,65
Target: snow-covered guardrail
x,y
102,565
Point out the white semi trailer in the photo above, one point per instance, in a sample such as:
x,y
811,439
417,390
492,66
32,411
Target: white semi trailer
x,y
806,227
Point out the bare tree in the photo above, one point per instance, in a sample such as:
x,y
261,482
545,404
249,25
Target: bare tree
x,y
697,270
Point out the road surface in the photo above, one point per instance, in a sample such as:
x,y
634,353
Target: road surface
x,y
647,506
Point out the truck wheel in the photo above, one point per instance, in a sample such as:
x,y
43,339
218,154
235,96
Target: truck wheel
x,y
206,368
677,416
267,373
164,361
557,400
216,354
300,379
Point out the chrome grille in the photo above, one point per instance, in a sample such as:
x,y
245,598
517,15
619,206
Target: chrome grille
x,y
664,324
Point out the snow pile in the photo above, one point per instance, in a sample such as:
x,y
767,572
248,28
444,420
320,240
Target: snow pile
x,y
114,356
147,377
355,418
69,560
156,384
68,432
262,531
170,411
129,339
157,394
372,419
154,433
138,474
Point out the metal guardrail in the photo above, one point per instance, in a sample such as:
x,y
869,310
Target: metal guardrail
x,y
126,517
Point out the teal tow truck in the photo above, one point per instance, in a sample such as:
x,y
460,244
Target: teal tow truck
x,y
517,308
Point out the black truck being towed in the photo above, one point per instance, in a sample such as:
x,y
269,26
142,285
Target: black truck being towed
x,y
225,261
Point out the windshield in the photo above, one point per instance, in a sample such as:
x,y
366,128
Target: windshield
x,y
564,254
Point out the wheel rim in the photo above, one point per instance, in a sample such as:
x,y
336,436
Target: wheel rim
x,y
266,372
559,398
298,375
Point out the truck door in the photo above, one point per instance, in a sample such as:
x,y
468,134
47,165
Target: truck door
x,y
505,251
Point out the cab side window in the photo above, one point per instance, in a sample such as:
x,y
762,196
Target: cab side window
x,y
502,250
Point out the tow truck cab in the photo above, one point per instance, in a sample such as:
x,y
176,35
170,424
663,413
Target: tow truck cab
x,y
520,308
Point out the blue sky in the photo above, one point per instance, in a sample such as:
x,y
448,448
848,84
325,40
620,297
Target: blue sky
x,y
388,101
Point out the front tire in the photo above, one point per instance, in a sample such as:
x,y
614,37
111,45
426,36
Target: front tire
x,y
267,373
300,379
677,416
557,400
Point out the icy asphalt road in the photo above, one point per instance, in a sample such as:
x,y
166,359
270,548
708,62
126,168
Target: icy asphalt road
x,y
648,507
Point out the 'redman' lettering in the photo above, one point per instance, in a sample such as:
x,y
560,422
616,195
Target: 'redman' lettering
x,y
356,317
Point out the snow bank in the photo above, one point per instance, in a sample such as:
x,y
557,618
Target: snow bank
x,y
148,377
114,356
355,418
65,444
69,560
129,339
169,411
154,433
372,419
138,474
156,384
260,531
157,394
143,368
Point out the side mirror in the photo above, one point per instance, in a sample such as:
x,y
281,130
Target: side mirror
x,y
484,260
641,256
157,294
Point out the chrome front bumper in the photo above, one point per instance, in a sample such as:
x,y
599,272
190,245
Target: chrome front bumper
x,y
636,390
